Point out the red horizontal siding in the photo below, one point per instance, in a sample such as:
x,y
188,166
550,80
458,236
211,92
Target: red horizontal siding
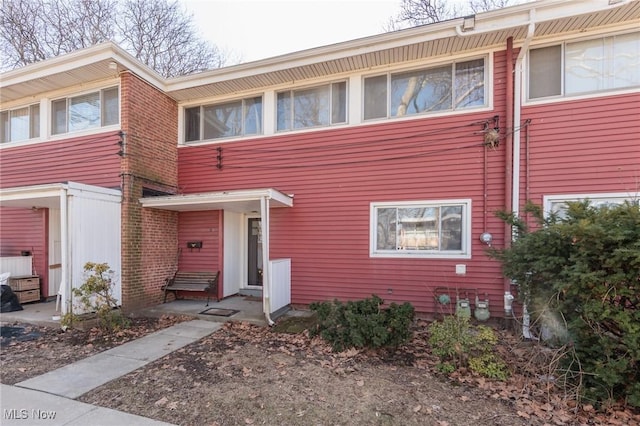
x,y
199,226
582,146
26,230
336,174
89,159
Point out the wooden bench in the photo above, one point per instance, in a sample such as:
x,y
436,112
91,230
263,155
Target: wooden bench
x,y
192,281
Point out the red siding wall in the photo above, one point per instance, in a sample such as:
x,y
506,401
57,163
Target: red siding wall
x,y
88,159
336,174
582,146
26,229
199,226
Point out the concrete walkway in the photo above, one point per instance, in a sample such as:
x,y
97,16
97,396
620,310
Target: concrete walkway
x,y
49,398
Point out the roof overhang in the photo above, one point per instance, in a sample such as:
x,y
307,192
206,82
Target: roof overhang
x,y
442,39
49,195
100,62
241,201
489,30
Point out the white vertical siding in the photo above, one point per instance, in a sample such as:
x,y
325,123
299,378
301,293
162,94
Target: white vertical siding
x,y
94,234
16,265
280,283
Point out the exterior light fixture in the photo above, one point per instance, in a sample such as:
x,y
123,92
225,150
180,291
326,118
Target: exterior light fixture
x,y
113,65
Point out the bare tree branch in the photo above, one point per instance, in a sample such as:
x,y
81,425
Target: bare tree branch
x,y
420,12
157,32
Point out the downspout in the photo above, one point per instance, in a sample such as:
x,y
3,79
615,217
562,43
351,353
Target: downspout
x,y
517,113
508,162
266,267
512,155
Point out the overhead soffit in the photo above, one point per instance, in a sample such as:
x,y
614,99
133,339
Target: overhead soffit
x,y
351,61
83,74
408,53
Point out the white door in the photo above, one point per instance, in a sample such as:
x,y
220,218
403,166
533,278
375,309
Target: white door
x,y
233,255
55,253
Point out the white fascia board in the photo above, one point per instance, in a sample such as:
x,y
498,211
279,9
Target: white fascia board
x,y
79,58
53,190
94,192
30,192
239,196
497,20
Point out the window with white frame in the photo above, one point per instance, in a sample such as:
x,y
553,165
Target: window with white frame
x,y
84,112
223,120
454,86
316,106
589,66
421,229
20,124
557,204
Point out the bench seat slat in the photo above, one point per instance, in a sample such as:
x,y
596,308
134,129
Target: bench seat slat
x,y
193,281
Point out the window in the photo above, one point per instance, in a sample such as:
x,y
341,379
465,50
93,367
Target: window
x,y
450,87
558,203
421,229
20,124
236,118
88,111
589,66
312,107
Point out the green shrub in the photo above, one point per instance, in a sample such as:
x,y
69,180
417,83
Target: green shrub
x,y
458,344
95,296
585,268
362,323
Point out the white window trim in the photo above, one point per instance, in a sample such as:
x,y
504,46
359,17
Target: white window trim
x,y
548,200
306,87
488,89
78,133
572,97
466,230
182,122
30,139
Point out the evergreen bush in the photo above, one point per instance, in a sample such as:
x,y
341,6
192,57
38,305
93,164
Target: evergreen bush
x,y
584,267
362,323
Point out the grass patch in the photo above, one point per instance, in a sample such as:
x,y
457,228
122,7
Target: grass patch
x,y
294,325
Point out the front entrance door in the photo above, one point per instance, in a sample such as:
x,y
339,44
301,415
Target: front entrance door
x,y
254,252
55,252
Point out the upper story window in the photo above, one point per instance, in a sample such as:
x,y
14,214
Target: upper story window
x,y
88,111
312,107
421,229
235,118
573,68
20,124
450,87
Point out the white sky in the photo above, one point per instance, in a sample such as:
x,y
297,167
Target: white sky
x,y
258,29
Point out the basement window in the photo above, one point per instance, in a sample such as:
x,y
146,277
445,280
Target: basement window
x,y
438,229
